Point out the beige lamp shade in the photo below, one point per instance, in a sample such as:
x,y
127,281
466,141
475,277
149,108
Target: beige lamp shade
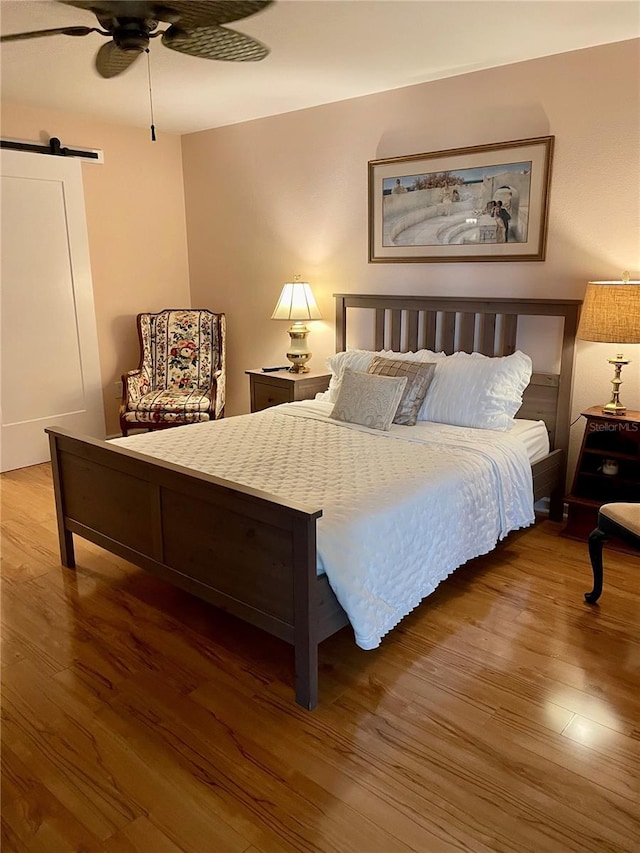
x,y
611,312
296,303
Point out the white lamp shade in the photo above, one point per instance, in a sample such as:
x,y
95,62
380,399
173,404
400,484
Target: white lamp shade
x,y
296,303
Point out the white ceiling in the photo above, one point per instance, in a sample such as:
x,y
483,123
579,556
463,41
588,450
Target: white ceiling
x,y
321,51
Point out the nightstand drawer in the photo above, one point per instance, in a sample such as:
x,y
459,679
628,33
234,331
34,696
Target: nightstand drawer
x,y
269,395
282,386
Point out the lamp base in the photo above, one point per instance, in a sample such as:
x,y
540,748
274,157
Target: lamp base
x,y
298,366
614,406
298,353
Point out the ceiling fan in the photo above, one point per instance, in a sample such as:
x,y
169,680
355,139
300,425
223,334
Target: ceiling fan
x,y
195,28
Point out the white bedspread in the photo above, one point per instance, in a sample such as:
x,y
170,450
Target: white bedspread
x,y
401,510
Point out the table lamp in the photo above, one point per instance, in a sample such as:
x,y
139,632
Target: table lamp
x,y
611,314
297,304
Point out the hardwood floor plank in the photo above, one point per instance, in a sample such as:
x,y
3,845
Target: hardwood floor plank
x,y
286,803
97,775
45,633
198,792
501,716
44,825
358,775
140,836
499,790
133,635
42,550
19,645
449,680
607,781
17,780
62,756
9,841
541,676
27,488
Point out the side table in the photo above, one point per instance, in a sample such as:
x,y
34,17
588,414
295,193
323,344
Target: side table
x,y
607,470
271,389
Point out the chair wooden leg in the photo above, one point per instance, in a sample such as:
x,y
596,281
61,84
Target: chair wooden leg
x,y
596,540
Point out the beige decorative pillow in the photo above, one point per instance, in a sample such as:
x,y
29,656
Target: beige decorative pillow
x,y
419,376
368,399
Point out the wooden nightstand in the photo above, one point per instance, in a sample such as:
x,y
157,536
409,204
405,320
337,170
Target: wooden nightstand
x,y
595,482
271,389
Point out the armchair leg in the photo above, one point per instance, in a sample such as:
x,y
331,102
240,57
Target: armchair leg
x,y
596,540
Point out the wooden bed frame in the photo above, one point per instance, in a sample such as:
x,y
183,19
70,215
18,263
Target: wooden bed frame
x,y
250,553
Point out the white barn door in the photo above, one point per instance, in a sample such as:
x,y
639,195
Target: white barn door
x,y
49,366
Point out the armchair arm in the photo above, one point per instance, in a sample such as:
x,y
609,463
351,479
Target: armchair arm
x,y
134,385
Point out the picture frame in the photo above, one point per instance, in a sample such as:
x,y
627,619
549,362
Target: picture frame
x,y
485,203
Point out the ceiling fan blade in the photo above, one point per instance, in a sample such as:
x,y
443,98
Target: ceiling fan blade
x,y
115,8
188,13
112,60
108,12
202,13
64,31
215,43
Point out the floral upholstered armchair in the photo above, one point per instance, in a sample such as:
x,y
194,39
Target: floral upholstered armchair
x,y
181,377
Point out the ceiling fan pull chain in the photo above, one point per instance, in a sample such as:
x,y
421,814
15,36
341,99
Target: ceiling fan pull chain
x,y
153,127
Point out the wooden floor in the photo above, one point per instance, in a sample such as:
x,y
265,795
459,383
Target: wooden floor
x,y
502,715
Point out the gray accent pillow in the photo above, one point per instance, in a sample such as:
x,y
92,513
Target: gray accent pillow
x,y
368,399
419,376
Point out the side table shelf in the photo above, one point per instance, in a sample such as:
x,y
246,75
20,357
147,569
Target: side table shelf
x,y
607,470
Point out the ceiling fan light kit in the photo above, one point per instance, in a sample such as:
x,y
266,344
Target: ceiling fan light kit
x,y
195,28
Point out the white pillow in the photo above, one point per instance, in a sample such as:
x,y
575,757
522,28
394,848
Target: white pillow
x,y
354,359
368,399
360,359
477,391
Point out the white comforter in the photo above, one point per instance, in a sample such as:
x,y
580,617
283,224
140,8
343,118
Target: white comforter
x,y
401,510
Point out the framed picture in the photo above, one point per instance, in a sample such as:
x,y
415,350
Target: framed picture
x,y
487,203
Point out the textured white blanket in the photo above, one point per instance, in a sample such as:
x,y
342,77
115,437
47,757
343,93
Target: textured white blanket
x,y
401,510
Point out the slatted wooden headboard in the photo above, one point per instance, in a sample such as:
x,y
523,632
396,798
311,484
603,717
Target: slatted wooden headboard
x,y
489,326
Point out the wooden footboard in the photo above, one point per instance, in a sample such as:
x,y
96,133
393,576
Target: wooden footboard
x,y
236,547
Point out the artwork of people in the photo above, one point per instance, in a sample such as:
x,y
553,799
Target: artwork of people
x,y
440,208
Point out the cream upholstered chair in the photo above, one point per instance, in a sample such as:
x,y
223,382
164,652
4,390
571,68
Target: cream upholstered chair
x,y
181,377
614,519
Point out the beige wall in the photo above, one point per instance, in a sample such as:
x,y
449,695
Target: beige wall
x,y
276,196
287,194
136,225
